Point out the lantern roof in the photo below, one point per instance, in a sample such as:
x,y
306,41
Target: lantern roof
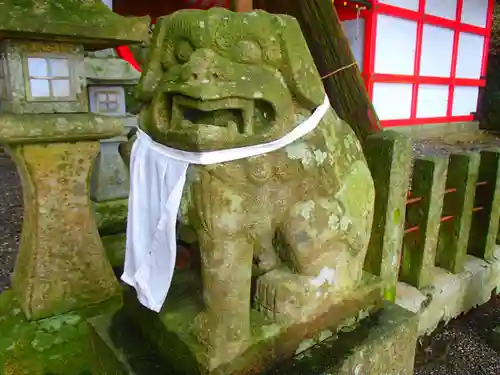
x,y
87,22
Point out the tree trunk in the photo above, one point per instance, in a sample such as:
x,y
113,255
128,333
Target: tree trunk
x,y
242,5
330,49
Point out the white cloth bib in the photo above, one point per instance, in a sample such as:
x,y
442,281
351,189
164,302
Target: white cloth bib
x,y
157,178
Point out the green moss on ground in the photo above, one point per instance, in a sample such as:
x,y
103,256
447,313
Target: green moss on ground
x,y
111,216
58,345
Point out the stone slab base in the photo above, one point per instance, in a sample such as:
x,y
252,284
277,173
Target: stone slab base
x,y
382,344
118,348
57,345
451,295
271,342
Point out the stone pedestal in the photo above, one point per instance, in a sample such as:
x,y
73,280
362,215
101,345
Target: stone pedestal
x,y
61,265
109,192
382,344
271,342
110,177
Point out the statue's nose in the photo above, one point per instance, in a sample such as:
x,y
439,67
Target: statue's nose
x,y
200,68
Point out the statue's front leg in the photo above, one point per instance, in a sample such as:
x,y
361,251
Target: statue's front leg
x,y
223,326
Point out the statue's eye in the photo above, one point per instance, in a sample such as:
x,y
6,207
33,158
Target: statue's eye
x,y
183,51
247,52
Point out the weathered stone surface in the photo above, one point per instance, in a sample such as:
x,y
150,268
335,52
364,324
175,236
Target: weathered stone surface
x,y
61,265
89,22
111,216
43,128
485,221
389,157
57,345
15,98
106,66
383,344
451,295
419,247
301,214
110,180
119,348
272,340
458,204
125,150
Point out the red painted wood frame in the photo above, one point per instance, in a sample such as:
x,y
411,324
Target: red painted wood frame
x,y
416,79
347,11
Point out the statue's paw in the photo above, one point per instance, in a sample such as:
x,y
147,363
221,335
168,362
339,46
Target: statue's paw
x,y
201,328
222,342
209,329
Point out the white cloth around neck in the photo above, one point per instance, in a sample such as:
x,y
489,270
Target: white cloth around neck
x,y
157,178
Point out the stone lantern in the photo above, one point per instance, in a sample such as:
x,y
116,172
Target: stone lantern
x,y
108,76
47,128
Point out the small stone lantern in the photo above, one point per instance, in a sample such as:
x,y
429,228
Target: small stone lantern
x,y
47,128
108,76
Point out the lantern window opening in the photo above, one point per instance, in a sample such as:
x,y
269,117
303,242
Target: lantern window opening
x,y
48,77
108,101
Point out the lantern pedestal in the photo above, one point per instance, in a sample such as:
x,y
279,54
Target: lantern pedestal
x,y
61,265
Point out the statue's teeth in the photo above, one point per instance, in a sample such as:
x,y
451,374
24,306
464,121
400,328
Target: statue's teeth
x,y
248,114
232,127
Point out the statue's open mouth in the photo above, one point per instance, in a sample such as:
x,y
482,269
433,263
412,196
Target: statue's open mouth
x,y
232,115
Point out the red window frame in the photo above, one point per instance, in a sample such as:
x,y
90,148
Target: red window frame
x,y
416,79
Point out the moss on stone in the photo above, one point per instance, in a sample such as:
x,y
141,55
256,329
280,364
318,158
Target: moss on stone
x,y
389,157
171,329
111,216
89,22
131,102
382,344
110,176
454,234
43,128
61,265
115,249
57,345
419,249
17,89
485,223
110,69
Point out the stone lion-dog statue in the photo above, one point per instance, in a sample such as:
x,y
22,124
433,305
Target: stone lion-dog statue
x,y
299,218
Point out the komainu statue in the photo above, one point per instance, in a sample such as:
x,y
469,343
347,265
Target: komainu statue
x,y
296,220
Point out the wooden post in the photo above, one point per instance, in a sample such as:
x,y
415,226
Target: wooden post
x,y
242,5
